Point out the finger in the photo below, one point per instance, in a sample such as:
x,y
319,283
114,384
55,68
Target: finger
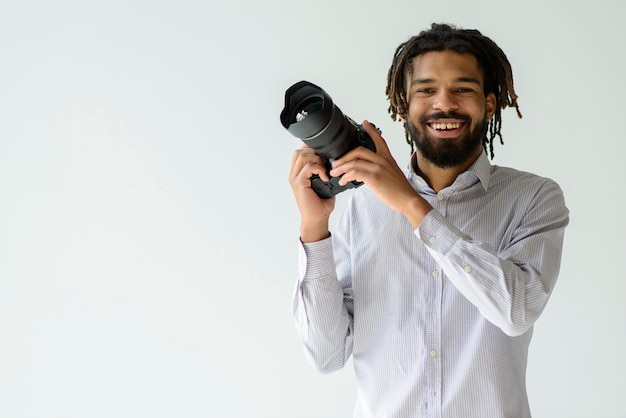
x,y
354,170
319,169
358,154
306,163
305,156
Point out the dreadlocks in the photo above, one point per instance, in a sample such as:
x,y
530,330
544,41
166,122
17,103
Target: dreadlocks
x,y
440,37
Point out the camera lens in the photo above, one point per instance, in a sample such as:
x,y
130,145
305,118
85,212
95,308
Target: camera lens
x,y
312,105
310,115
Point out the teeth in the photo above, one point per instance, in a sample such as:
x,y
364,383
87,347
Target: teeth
x,y
445,126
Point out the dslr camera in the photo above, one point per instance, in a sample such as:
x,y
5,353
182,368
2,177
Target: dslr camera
x,y
311,116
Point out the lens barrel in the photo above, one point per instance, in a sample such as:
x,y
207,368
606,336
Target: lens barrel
x,y
310,115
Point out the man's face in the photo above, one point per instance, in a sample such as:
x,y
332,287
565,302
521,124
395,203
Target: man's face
x,y
448,112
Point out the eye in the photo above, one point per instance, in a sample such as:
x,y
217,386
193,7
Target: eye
x,y
425,90
464,90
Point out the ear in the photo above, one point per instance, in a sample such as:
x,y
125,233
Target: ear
x,y
490,105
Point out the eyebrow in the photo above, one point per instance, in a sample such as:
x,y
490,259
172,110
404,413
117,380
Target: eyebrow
x,y
457,80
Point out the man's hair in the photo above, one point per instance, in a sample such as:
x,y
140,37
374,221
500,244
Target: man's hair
x,y
496,68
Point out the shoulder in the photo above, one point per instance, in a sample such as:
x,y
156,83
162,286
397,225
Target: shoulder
x,y
507,177
529,190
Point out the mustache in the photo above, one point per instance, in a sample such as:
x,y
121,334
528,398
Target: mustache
x,y
444,115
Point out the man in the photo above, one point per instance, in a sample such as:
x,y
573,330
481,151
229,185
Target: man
x,y
434,277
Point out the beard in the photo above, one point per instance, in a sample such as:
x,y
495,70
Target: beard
x,y
447,152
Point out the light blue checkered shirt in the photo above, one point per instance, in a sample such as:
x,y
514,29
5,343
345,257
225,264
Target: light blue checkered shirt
x,y
438,319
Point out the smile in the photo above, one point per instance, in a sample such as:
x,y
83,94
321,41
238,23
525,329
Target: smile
x,y
445,126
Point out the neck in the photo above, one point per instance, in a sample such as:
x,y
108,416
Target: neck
x,y
439,178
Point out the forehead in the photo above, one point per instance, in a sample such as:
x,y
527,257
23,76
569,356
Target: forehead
x,y
444,66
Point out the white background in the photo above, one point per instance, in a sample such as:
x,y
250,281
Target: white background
x,y
148,233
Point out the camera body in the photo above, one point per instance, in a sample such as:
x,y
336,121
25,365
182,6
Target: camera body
x,y
310,115
327,189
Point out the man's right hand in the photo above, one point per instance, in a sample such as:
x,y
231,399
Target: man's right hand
x,y
314,211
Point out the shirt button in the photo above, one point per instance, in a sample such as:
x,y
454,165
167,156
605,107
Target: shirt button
x,y
467,269
432,240
433,353
435,273
440,196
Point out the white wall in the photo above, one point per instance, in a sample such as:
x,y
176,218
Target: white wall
x,y
148,233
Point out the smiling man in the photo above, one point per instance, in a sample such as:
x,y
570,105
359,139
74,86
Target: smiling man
x,y
434,276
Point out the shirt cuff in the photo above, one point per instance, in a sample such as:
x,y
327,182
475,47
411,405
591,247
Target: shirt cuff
x,y
316,259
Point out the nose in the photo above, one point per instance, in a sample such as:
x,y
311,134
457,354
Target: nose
x,y
445,101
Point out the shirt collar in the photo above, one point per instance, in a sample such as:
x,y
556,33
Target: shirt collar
x,y
481,169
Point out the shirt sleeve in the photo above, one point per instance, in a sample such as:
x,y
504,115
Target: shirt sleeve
x,y
512,287
321,308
